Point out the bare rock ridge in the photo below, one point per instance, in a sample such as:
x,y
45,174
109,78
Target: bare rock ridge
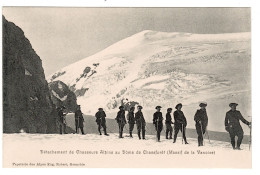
x,y
61,95
27,101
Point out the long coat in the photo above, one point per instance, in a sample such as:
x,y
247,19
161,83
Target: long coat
x,y
232,121
120,118
131,118
201,116
100,117
79,119
179,119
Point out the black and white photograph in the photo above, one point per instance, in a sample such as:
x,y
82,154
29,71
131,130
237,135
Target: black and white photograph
x,y
126,87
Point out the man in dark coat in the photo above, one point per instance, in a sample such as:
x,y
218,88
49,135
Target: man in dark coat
x,y
168,123
79,120
62,120
131,120
180,123
233,126
140,122
201,119
121,121
158,122
101,121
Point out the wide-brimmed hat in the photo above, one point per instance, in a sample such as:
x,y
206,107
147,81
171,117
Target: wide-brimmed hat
x,y
169,109
176,107
158,107
140,107
203,104
121,107
233,104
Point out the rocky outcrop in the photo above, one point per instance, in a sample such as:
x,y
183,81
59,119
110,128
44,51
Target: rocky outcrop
x,y
27,102
61,95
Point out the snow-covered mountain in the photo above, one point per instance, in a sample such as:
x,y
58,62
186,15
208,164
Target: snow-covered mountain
x,y
159,68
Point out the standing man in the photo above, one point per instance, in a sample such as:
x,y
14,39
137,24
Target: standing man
x,y
79,120
201,119
168,123
131,120
121,121
62,120
101,121
158,122
233,126
180,123
140,122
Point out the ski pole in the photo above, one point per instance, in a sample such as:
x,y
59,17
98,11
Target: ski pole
x,y
182,134
208,134
202,133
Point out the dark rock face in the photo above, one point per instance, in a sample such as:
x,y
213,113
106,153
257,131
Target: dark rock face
x,y
27,102
61,95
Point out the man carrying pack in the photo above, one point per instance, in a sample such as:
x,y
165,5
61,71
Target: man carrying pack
x,y
201,119
168,123
158,122
62,120
101,121
79,120
131,120
232,125
121,121
140,122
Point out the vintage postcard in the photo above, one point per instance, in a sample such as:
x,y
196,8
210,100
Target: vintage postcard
x,y
126,87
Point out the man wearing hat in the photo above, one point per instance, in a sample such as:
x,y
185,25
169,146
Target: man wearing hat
x,y
140,122
233,126
201,119
158,122
62,120
168,123
180,123
101,121
121,121
131,120
79,120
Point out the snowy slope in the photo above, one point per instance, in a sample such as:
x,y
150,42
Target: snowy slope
x,y
158,68
99,151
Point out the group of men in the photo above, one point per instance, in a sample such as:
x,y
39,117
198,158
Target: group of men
x,y
232,122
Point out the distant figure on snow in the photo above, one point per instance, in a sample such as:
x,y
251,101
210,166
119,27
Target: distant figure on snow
x,y
140,122
79,120
180,123
62,120
168,123
158,122
101,121
131,120
121,121
233,126
201,119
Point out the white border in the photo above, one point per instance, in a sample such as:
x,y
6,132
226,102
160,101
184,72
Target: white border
x,y
254,4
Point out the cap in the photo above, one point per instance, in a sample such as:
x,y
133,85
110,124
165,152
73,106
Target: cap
x,y
176,107
158,107
233,104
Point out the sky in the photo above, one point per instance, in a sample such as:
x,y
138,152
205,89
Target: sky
x,y
62,36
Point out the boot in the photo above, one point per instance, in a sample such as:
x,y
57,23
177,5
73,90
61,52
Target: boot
x,y
143,134
233,144
130,134
170,135
99,132
167,132
175,137
139,135
105,131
